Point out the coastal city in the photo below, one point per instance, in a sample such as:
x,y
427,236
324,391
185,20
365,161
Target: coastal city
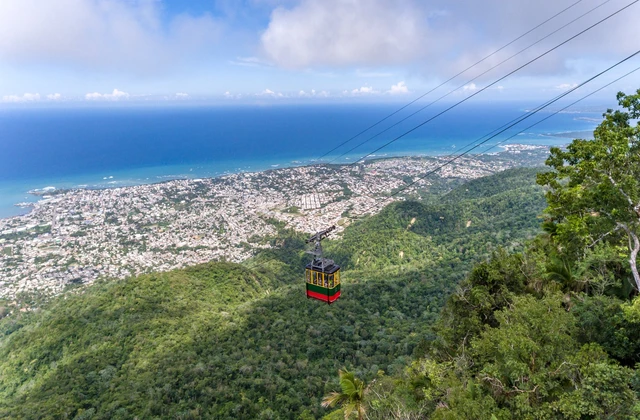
x,y
74,237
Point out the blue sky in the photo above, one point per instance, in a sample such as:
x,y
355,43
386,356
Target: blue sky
x,y
126,51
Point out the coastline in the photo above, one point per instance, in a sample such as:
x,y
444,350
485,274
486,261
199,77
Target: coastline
x,y
20,192
81,235
143,146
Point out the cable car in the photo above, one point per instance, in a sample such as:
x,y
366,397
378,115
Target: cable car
x,y
322,274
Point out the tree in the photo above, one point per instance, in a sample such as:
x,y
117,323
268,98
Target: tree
x,y
352,396
531,366
594,191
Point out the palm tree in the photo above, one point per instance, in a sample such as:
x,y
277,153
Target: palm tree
x,y
351,398
562,271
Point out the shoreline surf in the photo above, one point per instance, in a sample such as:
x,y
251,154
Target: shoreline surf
x,y
118,148
29,192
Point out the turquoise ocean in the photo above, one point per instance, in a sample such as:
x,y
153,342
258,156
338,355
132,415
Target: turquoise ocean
x,y
103,147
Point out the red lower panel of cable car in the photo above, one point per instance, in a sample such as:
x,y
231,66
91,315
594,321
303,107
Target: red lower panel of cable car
x,y
323,293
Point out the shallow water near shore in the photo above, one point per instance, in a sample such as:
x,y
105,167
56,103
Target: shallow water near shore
x,y
106,148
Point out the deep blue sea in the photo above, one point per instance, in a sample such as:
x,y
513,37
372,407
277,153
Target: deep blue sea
x,y
116,146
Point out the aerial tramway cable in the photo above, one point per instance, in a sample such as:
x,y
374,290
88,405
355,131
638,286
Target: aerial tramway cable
x,y
333,291
526,116
469,81
324,285
319,273
493,83
560,110
516,120
450,79
483,73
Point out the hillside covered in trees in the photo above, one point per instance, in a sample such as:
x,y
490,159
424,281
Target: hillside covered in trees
x,y
231,341
551,331
466,305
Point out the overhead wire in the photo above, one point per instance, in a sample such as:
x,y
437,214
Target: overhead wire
x,y
346,167
527,116
560,110
450,79
500,131
494,82
469,81
530,114
505,125
524,117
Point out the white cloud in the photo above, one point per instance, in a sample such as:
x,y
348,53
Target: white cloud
x,y
230,95
27,97
181,95
471,87
31,96
250,62
314,94
101,34
254,60
11,98
398,89
503,21
113,96
566,86
54,97
269,92
364,90
341,33
439,38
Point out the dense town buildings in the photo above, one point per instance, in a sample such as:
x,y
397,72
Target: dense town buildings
x,y
77,236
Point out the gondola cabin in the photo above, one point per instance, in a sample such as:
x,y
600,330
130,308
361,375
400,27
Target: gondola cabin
x,y
323,280
322,274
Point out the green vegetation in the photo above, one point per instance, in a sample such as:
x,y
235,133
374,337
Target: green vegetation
x,y
292,210
408,239
351,396
461,307
549,332
40,260
595,186
38,230
227,341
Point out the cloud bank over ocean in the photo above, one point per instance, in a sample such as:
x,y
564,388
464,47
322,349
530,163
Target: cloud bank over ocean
x,y
376,49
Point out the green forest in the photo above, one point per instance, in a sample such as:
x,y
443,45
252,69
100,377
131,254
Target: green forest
x,y
509,297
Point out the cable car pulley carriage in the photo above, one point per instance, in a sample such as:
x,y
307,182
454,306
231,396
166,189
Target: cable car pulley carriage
x,y
322,274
